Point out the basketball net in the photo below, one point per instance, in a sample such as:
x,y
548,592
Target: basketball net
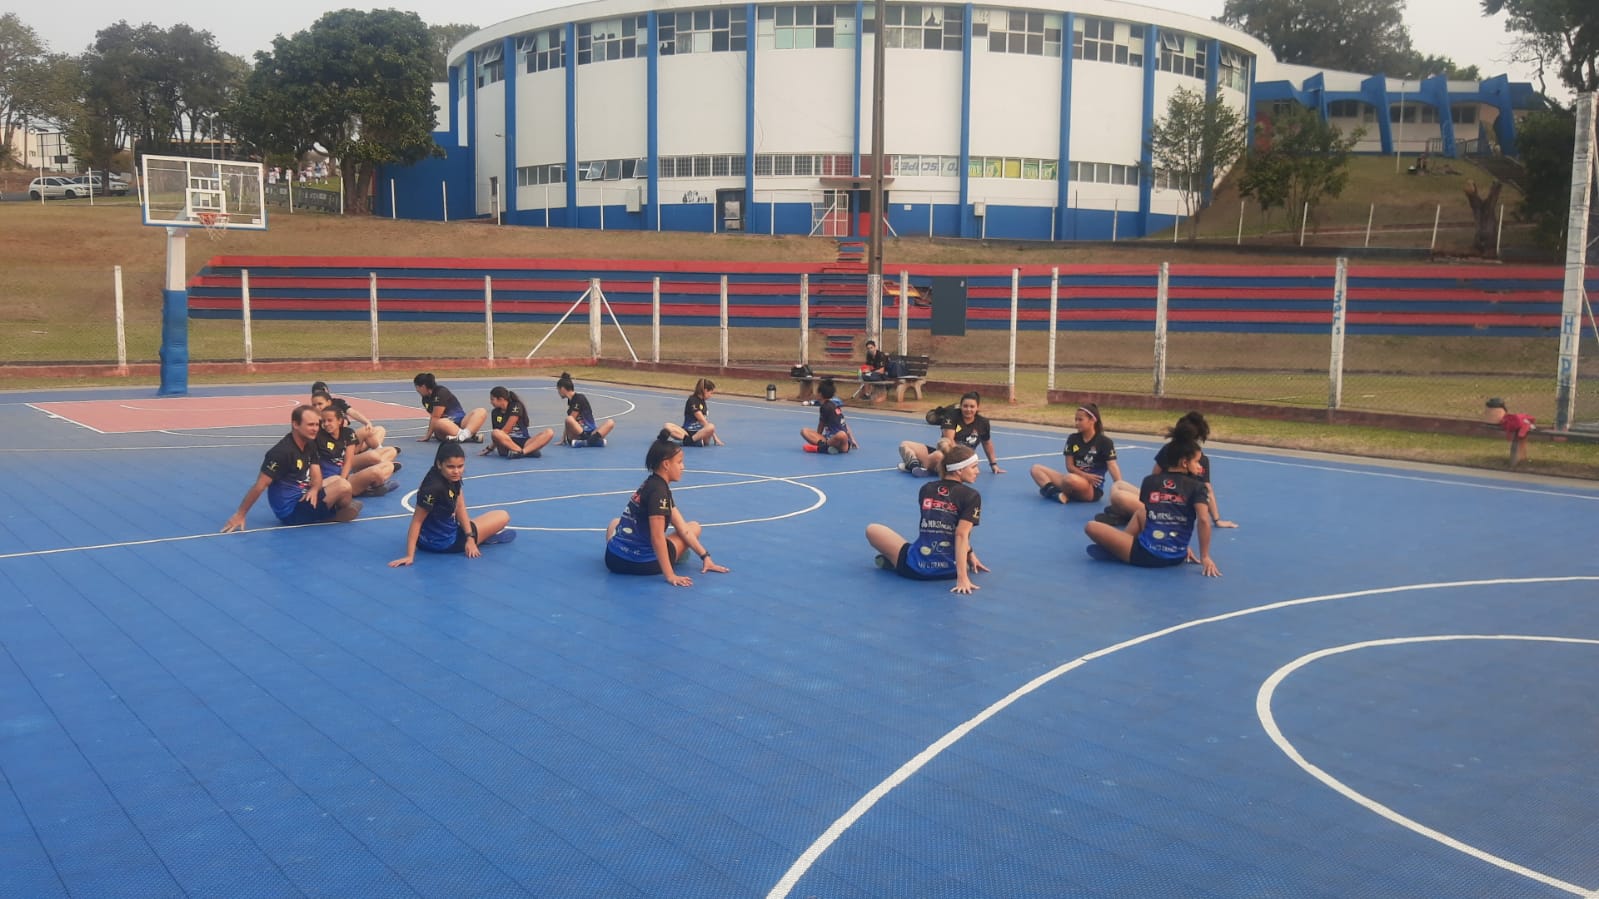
x,y
213,222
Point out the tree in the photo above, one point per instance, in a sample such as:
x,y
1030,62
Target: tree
x,y
1563,34
1305,161
1194,142
443,37
356,85
20,53
1546,142
1484,215
1348,35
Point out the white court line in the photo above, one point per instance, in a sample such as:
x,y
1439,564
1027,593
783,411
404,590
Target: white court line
x,y
59,417
1269,723
791,878
1485,485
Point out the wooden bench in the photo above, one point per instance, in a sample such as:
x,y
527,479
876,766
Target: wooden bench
x,y
807,385
915,376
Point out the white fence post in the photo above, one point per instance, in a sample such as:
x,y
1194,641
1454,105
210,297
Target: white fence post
x,y
655,319
372,295
722,322
1437,214
444,188
244,310
1499,232
805,319
904,312
1304,219
122,332
1371,215
1054,305
1015,305
488,318
602,208
1115,218
595,321
1240,240
394,201
1335,368
1161,286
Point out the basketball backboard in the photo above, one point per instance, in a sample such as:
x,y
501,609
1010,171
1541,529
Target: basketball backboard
x,y
185,192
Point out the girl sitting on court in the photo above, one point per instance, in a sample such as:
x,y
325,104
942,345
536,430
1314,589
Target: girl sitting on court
x,y
1172,503
697,429
371,435
651,536
1124,496
447,419
510,436
949,509
342,454
579,428
968,428
832,434
441,523
1090,456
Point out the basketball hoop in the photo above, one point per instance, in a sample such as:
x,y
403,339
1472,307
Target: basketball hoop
x,y
213,221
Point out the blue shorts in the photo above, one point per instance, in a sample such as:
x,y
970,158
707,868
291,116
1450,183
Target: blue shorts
x,y
903,568
1143,558
457,417
459,546
618,565
305,513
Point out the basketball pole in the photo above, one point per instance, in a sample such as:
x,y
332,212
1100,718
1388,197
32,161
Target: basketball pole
x,y
175,317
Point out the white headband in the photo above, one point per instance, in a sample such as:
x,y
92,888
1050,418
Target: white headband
x,y
961,466
1088,412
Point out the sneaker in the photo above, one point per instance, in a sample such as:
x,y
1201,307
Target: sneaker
x,y
576,441
1113,517
882,561
1098,553
810,448
596,440
398,466
903,467
475,438
909,458
1049,491
487,451
513,454
833,450
505,536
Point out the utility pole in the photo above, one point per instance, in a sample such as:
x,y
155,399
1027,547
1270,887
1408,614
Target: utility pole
x,y
874,246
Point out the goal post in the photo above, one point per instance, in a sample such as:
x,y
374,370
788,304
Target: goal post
x,y
1572,299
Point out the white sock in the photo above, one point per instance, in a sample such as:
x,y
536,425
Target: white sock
x,y
463,434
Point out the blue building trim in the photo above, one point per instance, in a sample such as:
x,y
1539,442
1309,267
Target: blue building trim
x,y
1435,90
652,127
569,56
455,105
471,119
1374,91
748,212
860,50
1064,163
968,221
1496,90
1146,157
1212,84
512,70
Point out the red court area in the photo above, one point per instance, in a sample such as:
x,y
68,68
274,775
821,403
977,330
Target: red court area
x,y
130,416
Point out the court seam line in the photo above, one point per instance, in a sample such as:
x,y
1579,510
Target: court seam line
x,y
904,772
1268,723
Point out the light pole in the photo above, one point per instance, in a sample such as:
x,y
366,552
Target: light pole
x,y
1399,135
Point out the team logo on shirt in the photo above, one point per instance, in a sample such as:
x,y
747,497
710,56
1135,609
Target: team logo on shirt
x,y
299,464
943,491
664,504
1169,484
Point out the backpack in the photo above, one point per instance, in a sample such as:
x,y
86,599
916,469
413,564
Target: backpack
x,y
800,371
942,416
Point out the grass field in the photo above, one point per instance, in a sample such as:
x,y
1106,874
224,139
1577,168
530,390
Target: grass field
x,y
57,289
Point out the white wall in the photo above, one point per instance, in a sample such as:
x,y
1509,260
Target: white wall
x,y
804,101
1107,111
541,118
611,120
922,102
490,149
1016,104
702,104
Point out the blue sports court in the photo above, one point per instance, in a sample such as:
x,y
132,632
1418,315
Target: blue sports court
x,y
1388,693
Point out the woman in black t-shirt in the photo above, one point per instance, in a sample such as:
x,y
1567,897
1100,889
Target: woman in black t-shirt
x,y
580,428
447,418
1090,458
510,436
652,535
949,508
967,428
1124,501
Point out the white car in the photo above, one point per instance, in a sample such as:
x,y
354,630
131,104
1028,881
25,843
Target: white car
x,y
117,188
54,187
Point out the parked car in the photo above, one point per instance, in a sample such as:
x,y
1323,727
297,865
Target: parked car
x,y
116,188
55,187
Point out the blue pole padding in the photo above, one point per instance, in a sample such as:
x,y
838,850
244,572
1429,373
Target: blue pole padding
x,y
174,343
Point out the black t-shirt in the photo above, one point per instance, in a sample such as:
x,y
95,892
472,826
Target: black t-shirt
x,y
632,538
692,405
438,496
830,417
1171,507
442,397
289,466
974,434
332,447
943,504
876,361
578,404
515,410
1093,456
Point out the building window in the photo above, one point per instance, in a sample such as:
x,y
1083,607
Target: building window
x,y
612,169
1104,173
1018,31
491,65
727,165
1344,109
1233,69
805,27
1012,167
623,38
1463,115
702,31
534,175
542,51
916,27
927,166
1411,113
1102,40
1182,54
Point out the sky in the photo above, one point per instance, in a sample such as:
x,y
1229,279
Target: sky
x,y
1454,28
